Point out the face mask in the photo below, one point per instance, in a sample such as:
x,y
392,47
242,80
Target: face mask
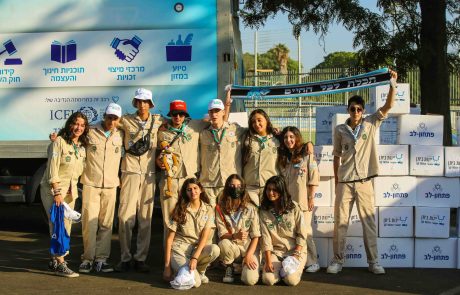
x,y
235,192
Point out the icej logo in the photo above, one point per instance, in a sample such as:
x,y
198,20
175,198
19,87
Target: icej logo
x,y
436,255
393,254
351,252
90,113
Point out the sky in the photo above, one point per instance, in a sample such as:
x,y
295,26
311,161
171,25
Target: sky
x,y
279,30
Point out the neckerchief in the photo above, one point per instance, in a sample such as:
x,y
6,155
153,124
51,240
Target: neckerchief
x,y
215,134
278,217
355,132
75,148
262,140
180,131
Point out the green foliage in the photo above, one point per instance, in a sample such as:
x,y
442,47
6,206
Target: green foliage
x,y
269,59
340,59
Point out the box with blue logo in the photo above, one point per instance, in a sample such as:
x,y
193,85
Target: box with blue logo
x,y
452,161
431,222
426,160
323,222
395,191
354,252
421,129
393,160
396,252
396,222
323,192
378,96
325,159
436,253
438,192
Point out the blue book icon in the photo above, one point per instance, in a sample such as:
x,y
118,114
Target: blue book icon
x,y
63,52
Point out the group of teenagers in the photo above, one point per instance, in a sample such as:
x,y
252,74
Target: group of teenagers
x,y
240,196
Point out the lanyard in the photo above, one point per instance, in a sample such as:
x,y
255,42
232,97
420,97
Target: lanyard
x,y
75,148
215,134
355,132
262,140
235,217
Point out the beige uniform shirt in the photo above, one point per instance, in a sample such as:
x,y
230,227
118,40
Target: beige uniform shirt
x,y
188,234
219,161
262,162
186,147
281,236
248,221
64,166
359,157
102,158
299,176
131,125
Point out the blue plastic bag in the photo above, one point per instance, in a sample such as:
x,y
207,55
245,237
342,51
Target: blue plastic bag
x,y
60,239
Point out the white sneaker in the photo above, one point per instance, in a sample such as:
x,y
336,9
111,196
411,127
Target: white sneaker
x,y
312,268
63,271
204,278
376,268
334,267
228,278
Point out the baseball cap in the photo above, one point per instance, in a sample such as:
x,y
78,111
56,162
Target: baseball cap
x,y
216,104
178,106
143,94
113,109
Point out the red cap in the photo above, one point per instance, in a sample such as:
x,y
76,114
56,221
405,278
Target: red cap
x,y
178,106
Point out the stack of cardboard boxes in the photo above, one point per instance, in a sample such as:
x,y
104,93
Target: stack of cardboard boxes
x,y
416,192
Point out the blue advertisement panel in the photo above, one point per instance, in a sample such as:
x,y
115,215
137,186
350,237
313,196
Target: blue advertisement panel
x,y
90,56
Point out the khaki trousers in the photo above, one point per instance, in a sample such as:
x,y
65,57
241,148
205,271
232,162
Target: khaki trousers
x,y
312,254
255,194
271,278
213,194
98,209
363,195
168,203
48,201
230,252
181,257
136,199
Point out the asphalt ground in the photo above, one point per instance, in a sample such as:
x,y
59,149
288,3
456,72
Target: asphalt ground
x,y
24,244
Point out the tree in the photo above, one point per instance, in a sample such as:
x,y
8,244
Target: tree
x,y
404,34
276,58
339,59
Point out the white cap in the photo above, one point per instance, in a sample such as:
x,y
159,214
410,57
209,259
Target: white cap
x,y
216,104
113,109
71,214
143,94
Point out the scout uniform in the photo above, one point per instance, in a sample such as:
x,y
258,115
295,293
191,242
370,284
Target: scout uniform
x,y
65,165
261,165
298,177
187,238
246,219
186,146
359,164
280,235
138,186
100,181
220,157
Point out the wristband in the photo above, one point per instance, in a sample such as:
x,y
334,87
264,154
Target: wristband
x,y
296,253
193,258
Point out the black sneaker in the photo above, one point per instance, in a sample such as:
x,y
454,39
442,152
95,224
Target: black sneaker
x,y
102,266
123,266
228,278
140,266
85,267
63,271
52,264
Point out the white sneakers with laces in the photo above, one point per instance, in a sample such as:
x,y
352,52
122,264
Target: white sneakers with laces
x,y
376,268
312,268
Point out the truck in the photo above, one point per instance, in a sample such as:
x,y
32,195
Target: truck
x,y
62,56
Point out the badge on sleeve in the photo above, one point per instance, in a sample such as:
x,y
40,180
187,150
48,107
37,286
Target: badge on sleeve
x,y
364,136
67,159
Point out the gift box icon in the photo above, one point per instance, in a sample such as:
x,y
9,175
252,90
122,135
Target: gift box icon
x,y
179,50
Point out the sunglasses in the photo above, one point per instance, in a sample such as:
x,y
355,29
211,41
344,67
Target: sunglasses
x,y
358,110
178,115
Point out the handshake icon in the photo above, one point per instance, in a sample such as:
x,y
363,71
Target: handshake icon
x,y
126,49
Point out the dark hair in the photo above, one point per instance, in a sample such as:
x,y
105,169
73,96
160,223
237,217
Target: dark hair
x,y
357,100
300,149
246,149
285,197
178,213
66,132
226,202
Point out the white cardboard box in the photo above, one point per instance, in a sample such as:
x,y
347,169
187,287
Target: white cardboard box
x,y
323,138
395,191
378,96
458,253
354,252
426,160
393,159
420,129
458,223
396,252
323,222
396,222
436,253
390,124
325,159
452,161
338,119
438,192
323,192
388,137
432,222
324,117
333,192
355,226
322,249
